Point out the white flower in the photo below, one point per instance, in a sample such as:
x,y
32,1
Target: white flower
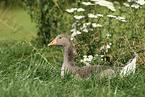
x,y
87,64
112,8
78,17
78,32
81,60
81,9
130,0
102,55
92,15
81,28
87,59
126,4
110,43
74,24
116,2
71,10
100,15
85,56
135,5
111,16
73,34
108,35
123,20
94,0
120,18
107,46
116,18
91,29
96,55
87,3
101,47
90,57
106,3
84,25
73,30
141,2
96,25
88,23
86,30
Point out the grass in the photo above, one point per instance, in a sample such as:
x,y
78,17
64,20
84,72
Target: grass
x,y
25,73
15,24
26,70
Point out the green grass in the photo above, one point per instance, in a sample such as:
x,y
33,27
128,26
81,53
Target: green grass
x,y
25,73
15,24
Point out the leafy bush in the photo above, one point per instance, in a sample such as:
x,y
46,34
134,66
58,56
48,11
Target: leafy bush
x,y
49,16
107,32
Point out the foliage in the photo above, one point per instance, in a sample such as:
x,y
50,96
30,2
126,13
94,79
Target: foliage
x,y
49,16
110,34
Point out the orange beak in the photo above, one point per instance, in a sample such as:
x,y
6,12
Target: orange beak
x,y
53,42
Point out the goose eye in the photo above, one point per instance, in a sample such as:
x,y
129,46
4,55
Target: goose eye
x,y
59,37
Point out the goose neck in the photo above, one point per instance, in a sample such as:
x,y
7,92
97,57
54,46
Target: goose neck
x,y
68,55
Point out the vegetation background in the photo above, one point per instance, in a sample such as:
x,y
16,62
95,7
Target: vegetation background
x,y
29,68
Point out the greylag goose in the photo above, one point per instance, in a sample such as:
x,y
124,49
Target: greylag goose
x,y
69,65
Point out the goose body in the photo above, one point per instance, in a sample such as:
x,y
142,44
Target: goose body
x,y
68,62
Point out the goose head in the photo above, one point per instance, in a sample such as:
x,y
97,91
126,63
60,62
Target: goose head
x,y
68,63
62,39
